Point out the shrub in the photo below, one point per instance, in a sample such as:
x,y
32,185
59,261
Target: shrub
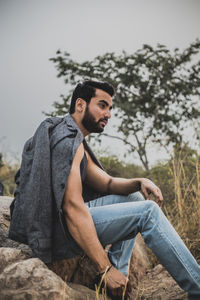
x,y
7,173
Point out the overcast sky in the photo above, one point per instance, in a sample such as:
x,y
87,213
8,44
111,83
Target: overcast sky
x,y
31,31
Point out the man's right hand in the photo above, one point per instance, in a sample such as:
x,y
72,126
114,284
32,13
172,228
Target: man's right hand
x,y
115,281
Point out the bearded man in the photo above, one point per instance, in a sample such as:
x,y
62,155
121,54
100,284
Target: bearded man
x,y
66,204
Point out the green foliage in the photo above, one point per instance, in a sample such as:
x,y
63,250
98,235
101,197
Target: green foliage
x,y
7,173
157,92
116,168
162,175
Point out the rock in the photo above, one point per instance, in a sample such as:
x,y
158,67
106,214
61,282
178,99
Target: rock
x,y
5,202
4,226
139,263
23,277
31,279
159,285
65,268
82,269
83,292
79,270
9,256
4,212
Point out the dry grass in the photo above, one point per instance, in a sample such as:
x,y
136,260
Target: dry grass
x,y
184,212
101,293
101,288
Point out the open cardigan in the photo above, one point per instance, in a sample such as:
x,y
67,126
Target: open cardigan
x,y
36,211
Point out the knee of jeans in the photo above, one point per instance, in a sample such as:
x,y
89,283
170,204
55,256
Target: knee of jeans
x,y
152,207
137,196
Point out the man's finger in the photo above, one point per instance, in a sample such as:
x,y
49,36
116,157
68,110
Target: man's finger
x,y
160,196
157,193
145,193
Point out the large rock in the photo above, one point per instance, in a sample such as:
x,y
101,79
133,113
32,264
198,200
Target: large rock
x,y
4,226
31,279
139,263
79,270
9,256
82,269
23,277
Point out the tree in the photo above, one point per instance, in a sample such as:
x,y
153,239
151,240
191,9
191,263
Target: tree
x,y
117,168
157,92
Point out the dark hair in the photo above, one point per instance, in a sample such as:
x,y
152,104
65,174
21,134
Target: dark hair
x,y
86,90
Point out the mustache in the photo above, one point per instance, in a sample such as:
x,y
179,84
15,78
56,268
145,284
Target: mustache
x,y
103,119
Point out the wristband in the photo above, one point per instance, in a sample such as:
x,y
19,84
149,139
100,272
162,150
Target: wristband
x,y
106,270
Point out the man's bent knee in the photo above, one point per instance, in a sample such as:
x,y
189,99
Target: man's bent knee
x,y
137,196
151,208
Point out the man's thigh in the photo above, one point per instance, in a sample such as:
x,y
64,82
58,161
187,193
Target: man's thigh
x,y
114,199
119,221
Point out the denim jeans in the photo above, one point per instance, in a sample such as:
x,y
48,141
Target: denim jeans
x,y
118,219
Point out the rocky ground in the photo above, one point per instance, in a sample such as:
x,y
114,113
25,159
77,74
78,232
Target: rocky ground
x,y
159,285
24,277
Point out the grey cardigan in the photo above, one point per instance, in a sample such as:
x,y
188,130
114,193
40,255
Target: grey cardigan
x,y
37,217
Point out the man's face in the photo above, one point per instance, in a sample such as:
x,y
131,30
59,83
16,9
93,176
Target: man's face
x,y
97,112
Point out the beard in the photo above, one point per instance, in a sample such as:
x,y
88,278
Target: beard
x,y
90,124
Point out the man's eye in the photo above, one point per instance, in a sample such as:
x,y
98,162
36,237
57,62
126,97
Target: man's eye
x,y
102,105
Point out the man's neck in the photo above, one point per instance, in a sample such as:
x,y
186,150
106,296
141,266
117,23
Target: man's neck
x,y
79,123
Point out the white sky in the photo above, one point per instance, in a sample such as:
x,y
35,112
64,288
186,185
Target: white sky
x,y
31,31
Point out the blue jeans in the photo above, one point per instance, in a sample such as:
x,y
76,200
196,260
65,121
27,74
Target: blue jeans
x,y
118,219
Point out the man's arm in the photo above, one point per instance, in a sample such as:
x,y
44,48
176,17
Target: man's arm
x,y
81,225
105,183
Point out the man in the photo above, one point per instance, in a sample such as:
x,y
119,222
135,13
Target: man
x,y
93,208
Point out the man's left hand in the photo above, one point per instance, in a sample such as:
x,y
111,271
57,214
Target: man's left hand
x,y
148,187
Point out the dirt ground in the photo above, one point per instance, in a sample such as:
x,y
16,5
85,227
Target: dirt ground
x,y
157,284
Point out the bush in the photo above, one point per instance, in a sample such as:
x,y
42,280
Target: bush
x,y
7,173
116,168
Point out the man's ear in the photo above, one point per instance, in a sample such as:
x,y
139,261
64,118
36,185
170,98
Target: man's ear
x,y
80,105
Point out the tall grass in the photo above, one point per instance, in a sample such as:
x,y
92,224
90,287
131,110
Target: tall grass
x,y
184,211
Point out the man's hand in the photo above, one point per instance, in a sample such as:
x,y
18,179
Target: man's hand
x,y
107,184
148,187
115,281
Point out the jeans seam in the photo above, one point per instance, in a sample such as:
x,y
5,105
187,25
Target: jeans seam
x,y
111,220
118,261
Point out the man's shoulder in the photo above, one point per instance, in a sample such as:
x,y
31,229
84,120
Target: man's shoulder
x,y
50,123
65,132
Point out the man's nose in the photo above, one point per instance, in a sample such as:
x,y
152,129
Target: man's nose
x,y
108,114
